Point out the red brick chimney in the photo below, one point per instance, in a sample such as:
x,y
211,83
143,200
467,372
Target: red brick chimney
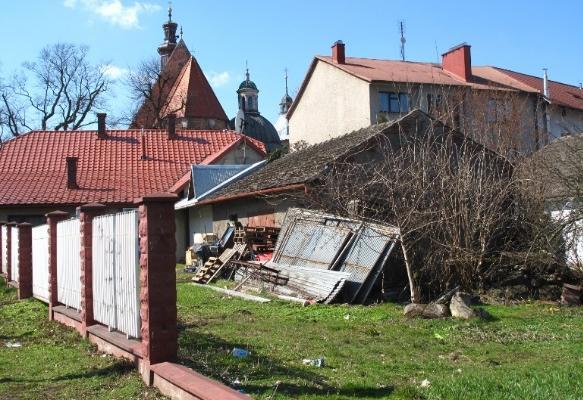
x,y
458,61
72,173
338,55
171,121
101,134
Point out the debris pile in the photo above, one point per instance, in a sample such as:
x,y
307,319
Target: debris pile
x,y
317,257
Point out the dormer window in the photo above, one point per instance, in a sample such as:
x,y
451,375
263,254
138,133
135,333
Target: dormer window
x,y
394,102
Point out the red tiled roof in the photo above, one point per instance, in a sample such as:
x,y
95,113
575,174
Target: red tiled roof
x,y
33,166
492,78
559,93
372,70
183,82
193,88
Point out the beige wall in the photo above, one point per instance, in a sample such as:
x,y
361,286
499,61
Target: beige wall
x,y
241,155
333,103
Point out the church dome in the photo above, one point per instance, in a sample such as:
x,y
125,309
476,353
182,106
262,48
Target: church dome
x,y
247,84
259,127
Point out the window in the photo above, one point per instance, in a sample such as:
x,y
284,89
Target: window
x,y
392,102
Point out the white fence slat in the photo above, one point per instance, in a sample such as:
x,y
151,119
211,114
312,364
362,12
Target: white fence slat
x,y
69,263
103,269
4,261
116,272
40,262
14,255
127,273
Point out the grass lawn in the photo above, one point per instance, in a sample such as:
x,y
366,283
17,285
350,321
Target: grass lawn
x,y
529,351
53,361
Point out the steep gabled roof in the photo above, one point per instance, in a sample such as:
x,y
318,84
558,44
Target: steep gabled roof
x,y
182,81
33,166
194,90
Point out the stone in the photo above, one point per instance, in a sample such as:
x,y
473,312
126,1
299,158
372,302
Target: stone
x,y
430,310
459,306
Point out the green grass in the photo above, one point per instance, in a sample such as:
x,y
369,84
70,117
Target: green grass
x,y
528,351
54,362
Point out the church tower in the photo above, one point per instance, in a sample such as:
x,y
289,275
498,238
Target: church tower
x,y
248,95
166,48
282,125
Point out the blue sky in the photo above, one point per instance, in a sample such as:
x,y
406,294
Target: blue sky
x,y
272,35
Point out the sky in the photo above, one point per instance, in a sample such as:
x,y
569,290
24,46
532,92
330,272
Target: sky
x,y
273,35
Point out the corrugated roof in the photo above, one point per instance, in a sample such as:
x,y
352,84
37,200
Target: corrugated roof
x,y
111,170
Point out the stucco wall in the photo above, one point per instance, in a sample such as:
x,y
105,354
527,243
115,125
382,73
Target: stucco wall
x,y
565,121
333,103
241,155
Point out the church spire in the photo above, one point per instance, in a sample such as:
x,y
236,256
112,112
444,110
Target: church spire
x,y
286,100
166,48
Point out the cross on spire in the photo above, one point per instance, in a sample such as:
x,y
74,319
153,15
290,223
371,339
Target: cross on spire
x,y
169,11
286,82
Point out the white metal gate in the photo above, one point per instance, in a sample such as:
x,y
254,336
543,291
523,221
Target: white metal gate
x,y
40,262
116,284
4,260
69,263
14,255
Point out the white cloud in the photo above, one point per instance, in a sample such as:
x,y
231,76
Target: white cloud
x,y
218,79
114,11
113,71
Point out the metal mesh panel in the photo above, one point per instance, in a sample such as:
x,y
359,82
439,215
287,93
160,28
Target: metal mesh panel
x,y
40,262
362,258
313,245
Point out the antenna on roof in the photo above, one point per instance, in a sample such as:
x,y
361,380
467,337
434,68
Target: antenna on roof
x,y
403,40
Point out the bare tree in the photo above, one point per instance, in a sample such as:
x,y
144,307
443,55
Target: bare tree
x,y
58,91
463,217
150,87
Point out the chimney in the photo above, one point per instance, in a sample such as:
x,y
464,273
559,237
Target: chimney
x,y
545,83
458,61
171,126
101,125
338,56
72,173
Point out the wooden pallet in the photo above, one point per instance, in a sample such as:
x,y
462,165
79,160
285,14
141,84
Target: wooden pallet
x,y
208,270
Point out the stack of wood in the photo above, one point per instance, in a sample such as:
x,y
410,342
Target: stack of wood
x,y
260,239
215,265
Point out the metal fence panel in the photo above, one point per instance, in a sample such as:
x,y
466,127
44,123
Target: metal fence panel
x,y
127,273
4,261
116,285
103,277
14,255
69,263
363,258
40,262
312,244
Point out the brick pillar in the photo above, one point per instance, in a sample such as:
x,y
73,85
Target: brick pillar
x,y
2,241
86,214
158,278
9,250
24,260
52,219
